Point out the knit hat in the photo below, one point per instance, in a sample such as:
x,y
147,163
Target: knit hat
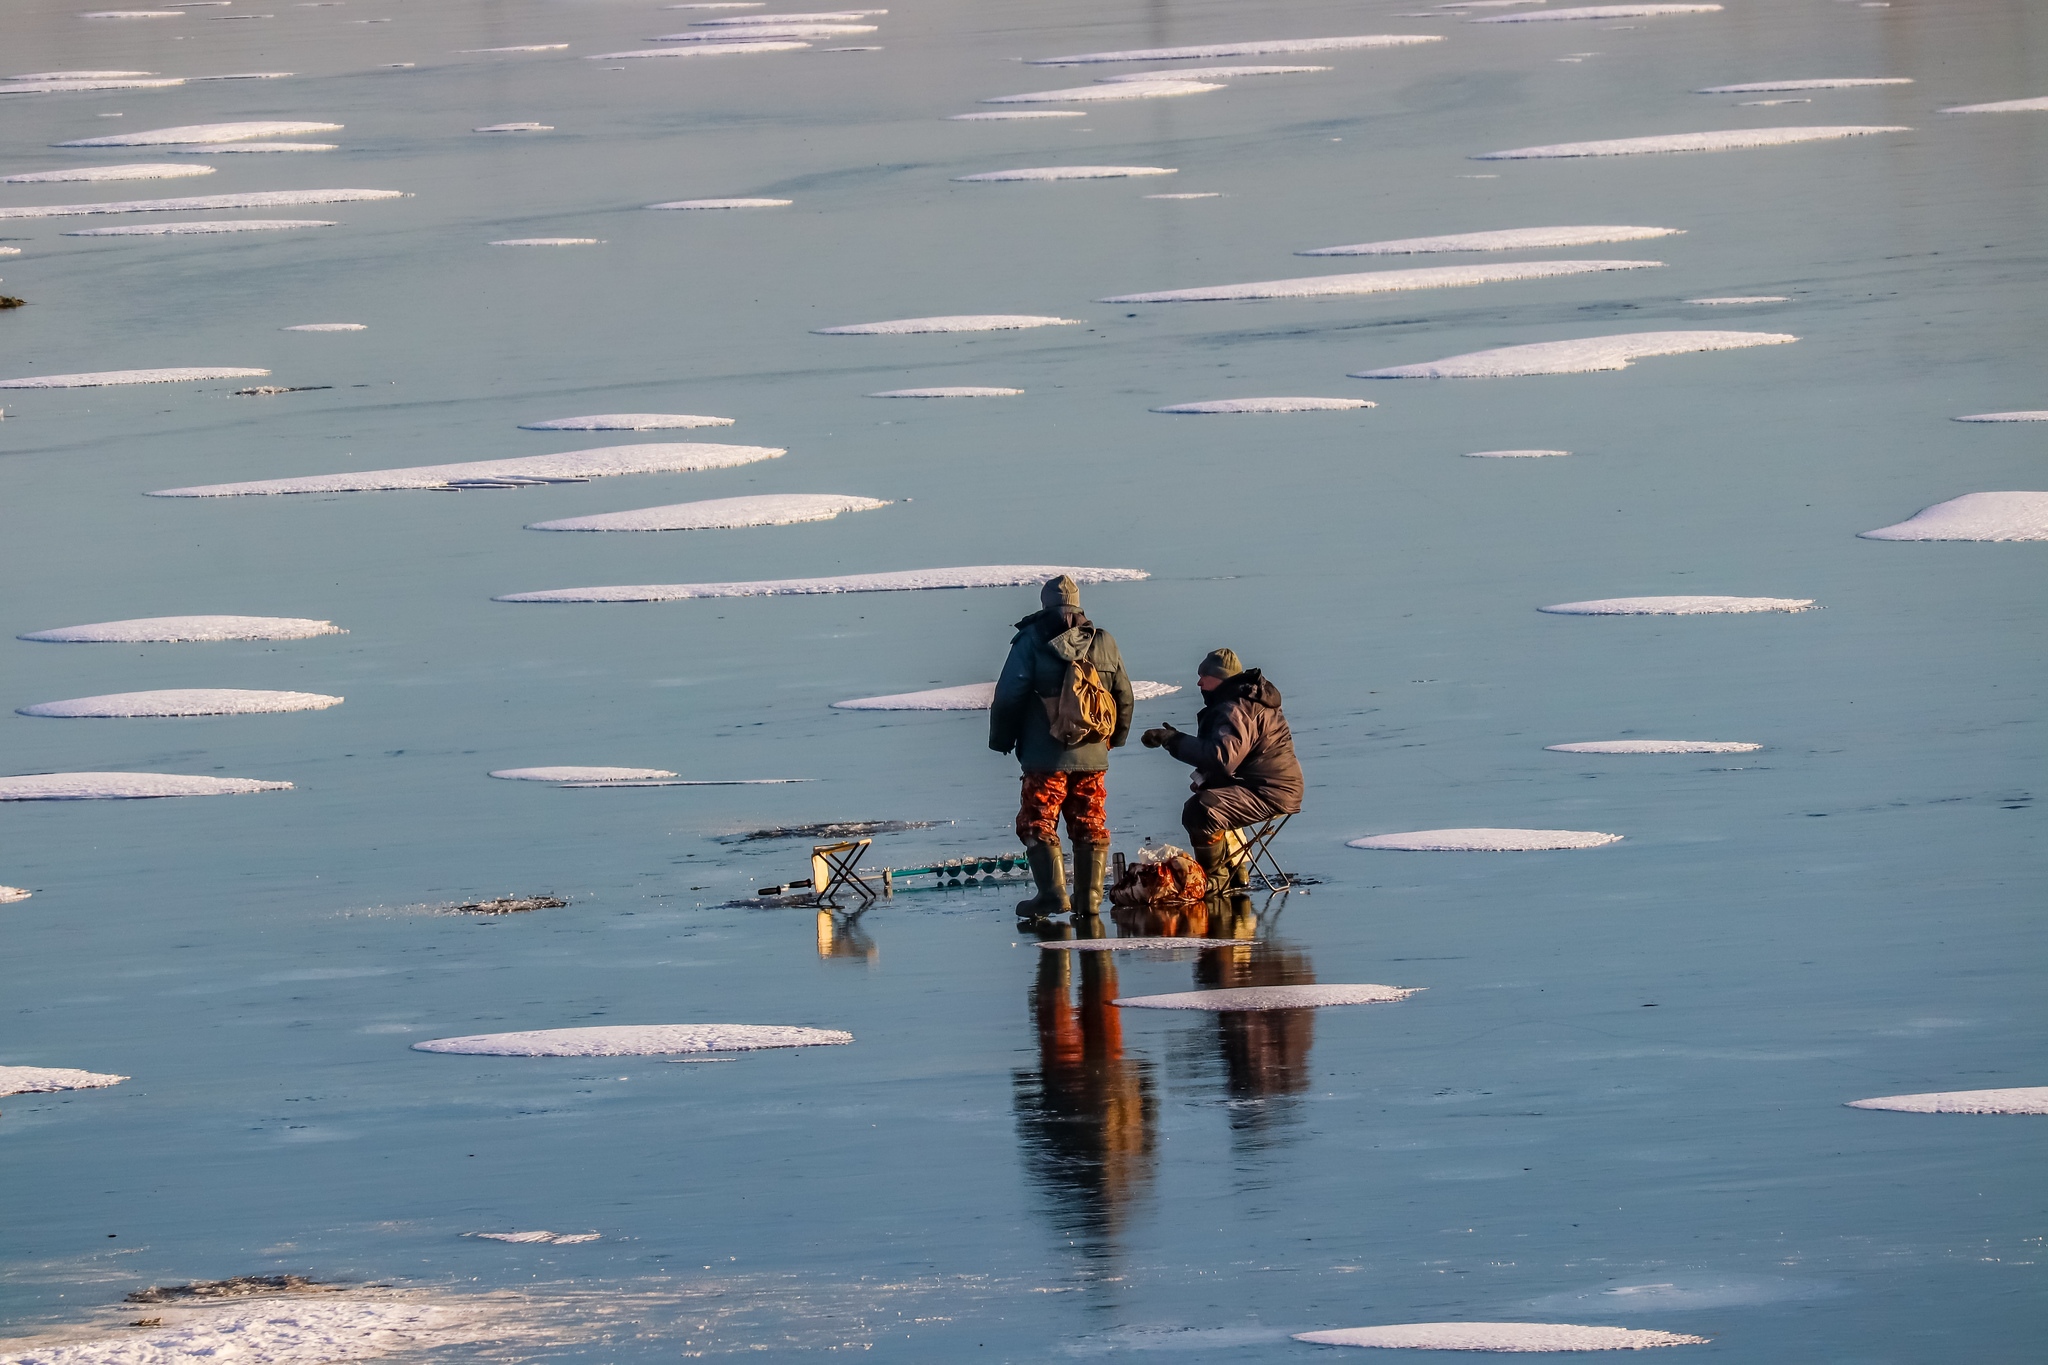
x,y
1062,593
1221,663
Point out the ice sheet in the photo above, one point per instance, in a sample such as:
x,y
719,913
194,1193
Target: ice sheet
x,y
2001,107
627,421
105,377
1504,239
161,629
1382,281
1722,141
1135,90
201,228
970,697
1974,516
762,509
1210,73
182,701
2031,1099
1270,998
957,391
1485,840
725,204
42,1080
2038,416
1678,606
1068,173
1512,454
605,462
1257,48
261,200
964,322
906,580
1575,357
127,786
204,132
636,1040
143,171
1220,405
580,774
1839,83
1500,1336
1596,12
1655,746
78,75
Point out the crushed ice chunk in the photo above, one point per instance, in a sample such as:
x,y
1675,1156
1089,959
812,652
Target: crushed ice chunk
x,y
1655,746
1766,87
201,228
1678,606
1512,454
906,580
764,509
965,322
1721,141
571,465
970,697
725,204
1067,173
1221,405
2026,1099
43,1080
1580,356
182,701
956,391
2002,107
1270,998
288,1332
575,774
261,199
636,1040
627,421
142,171
1485,840
106,377
1596,12
1135,90
204,132
10,894
1259,48
1501,1336
166,629
1974,516
1381,281
1505,239
126,786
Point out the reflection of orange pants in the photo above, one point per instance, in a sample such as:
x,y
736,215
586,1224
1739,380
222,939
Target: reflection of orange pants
x,y
1082,797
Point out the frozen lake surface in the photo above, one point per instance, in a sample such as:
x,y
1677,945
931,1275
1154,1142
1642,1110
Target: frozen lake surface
x,y
1757,1070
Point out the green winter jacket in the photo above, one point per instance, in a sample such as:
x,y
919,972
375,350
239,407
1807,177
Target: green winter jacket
x,y
1040,651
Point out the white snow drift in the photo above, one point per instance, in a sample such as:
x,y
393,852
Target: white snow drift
x,y
1137,945
253,147
200,228
993,117
326,327
1486,840
573,774
907,580
2003,417
1505,239
725,204
1258,48
139,171
763,27
1209,73
1655,746
552,1238
1270,998
2001,107
969,697
1512,454
280,1332
1500,1336
627,421
1974,516
1742,298
261,200
763,509
515,128
2030,1099
1068,173
163,629
697,50
10,894
203,132
571,465
636,1040
1596,12
1580,356
77,75
127,786
547,241
1381,281
64,87
1730,139
43,1080
1678,606
1222,405
182,701
1841,83
107,377
957,391
1095,94
964,322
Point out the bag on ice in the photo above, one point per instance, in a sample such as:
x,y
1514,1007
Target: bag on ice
x,y
1159,876
1082,711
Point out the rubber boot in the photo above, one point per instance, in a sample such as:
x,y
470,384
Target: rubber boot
x,y
1044,857
1091,864
1215,861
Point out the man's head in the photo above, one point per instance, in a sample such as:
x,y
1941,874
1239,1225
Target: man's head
x,y
1220,664
1061,594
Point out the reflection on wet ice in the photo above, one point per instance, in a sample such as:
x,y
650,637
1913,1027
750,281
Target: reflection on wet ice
x,y
841,938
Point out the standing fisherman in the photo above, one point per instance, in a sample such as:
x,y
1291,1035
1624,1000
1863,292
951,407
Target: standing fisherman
x,y
1063,702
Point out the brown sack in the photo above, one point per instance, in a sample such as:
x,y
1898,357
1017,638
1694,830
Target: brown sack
x,y
1173,876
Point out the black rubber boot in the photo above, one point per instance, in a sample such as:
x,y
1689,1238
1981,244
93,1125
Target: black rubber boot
x,y
1091,864
1046,870
1215,861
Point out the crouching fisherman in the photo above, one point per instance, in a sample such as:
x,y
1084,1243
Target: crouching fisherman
x,y
1063,702
1243,756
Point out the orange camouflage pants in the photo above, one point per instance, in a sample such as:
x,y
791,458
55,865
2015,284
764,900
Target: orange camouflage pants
x,y
1082,797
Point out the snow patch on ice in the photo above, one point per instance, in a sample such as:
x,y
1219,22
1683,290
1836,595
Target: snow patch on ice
x,y
106,377
762,26
2002,107
1381,281
965,322
165,629
77,75
529,47
1486,840
1501,1336
969,697
1655,746
1015,114
1506,239
201,228
1270,998
204,132
1221,405
182,701
1974,516
282,1332
1258,48
636,1040
127,786
144,171
1207,194
1136,90
10,894
2003,417
957,391
134,14
762,509
746,20
1512,454
59,87
1764,87
1597,12
605,462
262,199
1678,606
906,580
2030,1099
253,147
547,241
326,327
1068,173
515,128
725,204
696,50
627,421
1208,73
1580,356
43,1080
1743,298
580,774
1721,141
553,1238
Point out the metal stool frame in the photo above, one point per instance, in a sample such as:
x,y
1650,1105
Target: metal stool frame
x,y
1251,849
836,866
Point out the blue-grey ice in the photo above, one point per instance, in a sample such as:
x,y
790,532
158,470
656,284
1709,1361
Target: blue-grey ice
x,y
1696,605
1500,1336
1382,281
1741,299
724,204
1505,239
1270,998
181,701
1512,454
161,629
636,1040
1730,139
902,580
580,774
760,509
1974,516
547,241
569,466
1007,115
127,786
1485,840
952,391
1580,356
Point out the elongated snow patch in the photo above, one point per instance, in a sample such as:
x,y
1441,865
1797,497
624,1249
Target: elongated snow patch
x,y
515,128
2029,1099
969,697
1596,12
580,774
1138,945
1512,454
1068,173
964,322
282,1332
1382,281
166,629
1500,1336
43,1080
745,20
636,1040
182,701
1974,516
1270,998
1678,606
1096,94
957,391
997,116
1582,356
1742,298
1731,139
1485,840
725,204
107,377
547,241
77,75
763,26
2001,107
1222,405
62,87
908,580
1208,73
253,147
1655,746
697,50
552,1238
261,200
127,786
203,132
201,228
1257,48
571,465
10,894
762,509
1504,239
627,421
140,171
2041,416
1826,83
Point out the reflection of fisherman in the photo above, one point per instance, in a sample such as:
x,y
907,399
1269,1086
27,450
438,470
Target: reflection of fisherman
x,y
1243,756
1265,1052
1059,779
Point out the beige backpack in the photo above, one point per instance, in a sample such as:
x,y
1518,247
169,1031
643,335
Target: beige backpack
x,y
1082,711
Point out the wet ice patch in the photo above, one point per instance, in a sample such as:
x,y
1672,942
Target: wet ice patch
x,y
1655,746
1270,998
547,241
1742,298
166,629
763,509
1512,454
103,378
1500,1336
1015,114
44,1080
574,774
2031,1099
636,1040
515,128
908,580
202,228
1837,83
2003,417
1485,840
204,132
1080,94
1381,281
261,199
1683,1292
127,786
956,391
1974,516
1678,606
627,421
551,1238
1505,239
182,701
725,204
1222,405
1209,73
2001,107
570,466
1137,945
1067,173
970,697
1259,48
141,171
965,322
1581,356
1731,139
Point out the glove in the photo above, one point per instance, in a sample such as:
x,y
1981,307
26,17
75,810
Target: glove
x,y
1153,739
